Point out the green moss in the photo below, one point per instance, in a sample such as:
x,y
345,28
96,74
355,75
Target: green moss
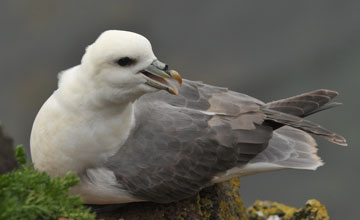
x,y
230,205
20,156
205,205
313,210
27,194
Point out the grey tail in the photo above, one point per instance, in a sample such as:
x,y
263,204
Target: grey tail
x,y
291,112
288,148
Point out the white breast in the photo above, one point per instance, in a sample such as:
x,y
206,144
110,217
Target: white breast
x,y
65,139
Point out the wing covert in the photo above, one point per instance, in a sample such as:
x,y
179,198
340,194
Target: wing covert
x,y
176,147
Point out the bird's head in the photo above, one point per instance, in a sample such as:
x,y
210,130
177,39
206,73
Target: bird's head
x,y
124,63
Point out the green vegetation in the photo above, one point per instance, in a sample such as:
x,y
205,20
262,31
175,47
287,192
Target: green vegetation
x,y
27,194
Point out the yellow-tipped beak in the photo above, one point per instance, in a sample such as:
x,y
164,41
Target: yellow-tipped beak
x,y
158,76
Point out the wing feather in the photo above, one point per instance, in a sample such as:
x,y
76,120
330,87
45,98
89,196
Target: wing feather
x,y
175,148
207,134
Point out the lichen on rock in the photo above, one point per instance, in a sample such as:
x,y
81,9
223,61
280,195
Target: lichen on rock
x,y
264,210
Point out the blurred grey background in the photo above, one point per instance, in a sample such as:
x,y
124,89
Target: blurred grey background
x,y
267,49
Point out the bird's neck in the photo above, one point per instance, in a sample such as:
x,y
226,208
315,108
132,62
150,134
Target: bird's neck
x,y
76,90
87,133
83,139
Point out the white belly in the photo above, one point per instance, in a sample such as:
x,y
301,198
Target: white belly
x,y
99,186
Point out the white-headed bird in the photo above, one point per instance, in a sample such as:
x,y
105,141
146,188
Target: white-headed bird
x,y
124,124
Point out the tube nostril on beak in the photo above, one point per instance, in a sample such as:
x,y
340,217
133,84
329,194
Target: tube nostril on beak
x,y
166,68
160,65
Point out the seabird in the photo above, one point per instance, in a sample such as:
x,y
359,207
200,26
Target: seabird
x,y
121,121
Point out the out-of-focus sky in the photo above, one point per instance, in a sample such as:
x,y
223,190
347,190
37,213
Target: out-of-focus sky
x,y
267,49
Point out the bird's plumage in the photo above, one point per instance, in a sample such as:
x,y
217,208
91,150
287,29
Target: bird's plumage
x,y
180,144
128,142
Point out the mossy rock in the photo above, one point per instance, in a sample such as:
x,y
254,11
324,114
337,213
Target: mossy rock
x,y
263,210
218,202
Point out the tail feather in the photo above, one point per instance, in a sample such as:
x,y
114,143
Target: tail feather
x,y
288,148
304,104
324,107
281,118
291,145
291,111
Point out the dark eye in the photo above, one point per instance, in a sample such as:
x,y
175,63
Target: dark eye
x,y
125,61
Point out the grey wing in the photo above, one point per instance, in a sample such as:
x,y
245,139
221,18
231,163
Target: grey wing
x,y
180,143
289,148
291,111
